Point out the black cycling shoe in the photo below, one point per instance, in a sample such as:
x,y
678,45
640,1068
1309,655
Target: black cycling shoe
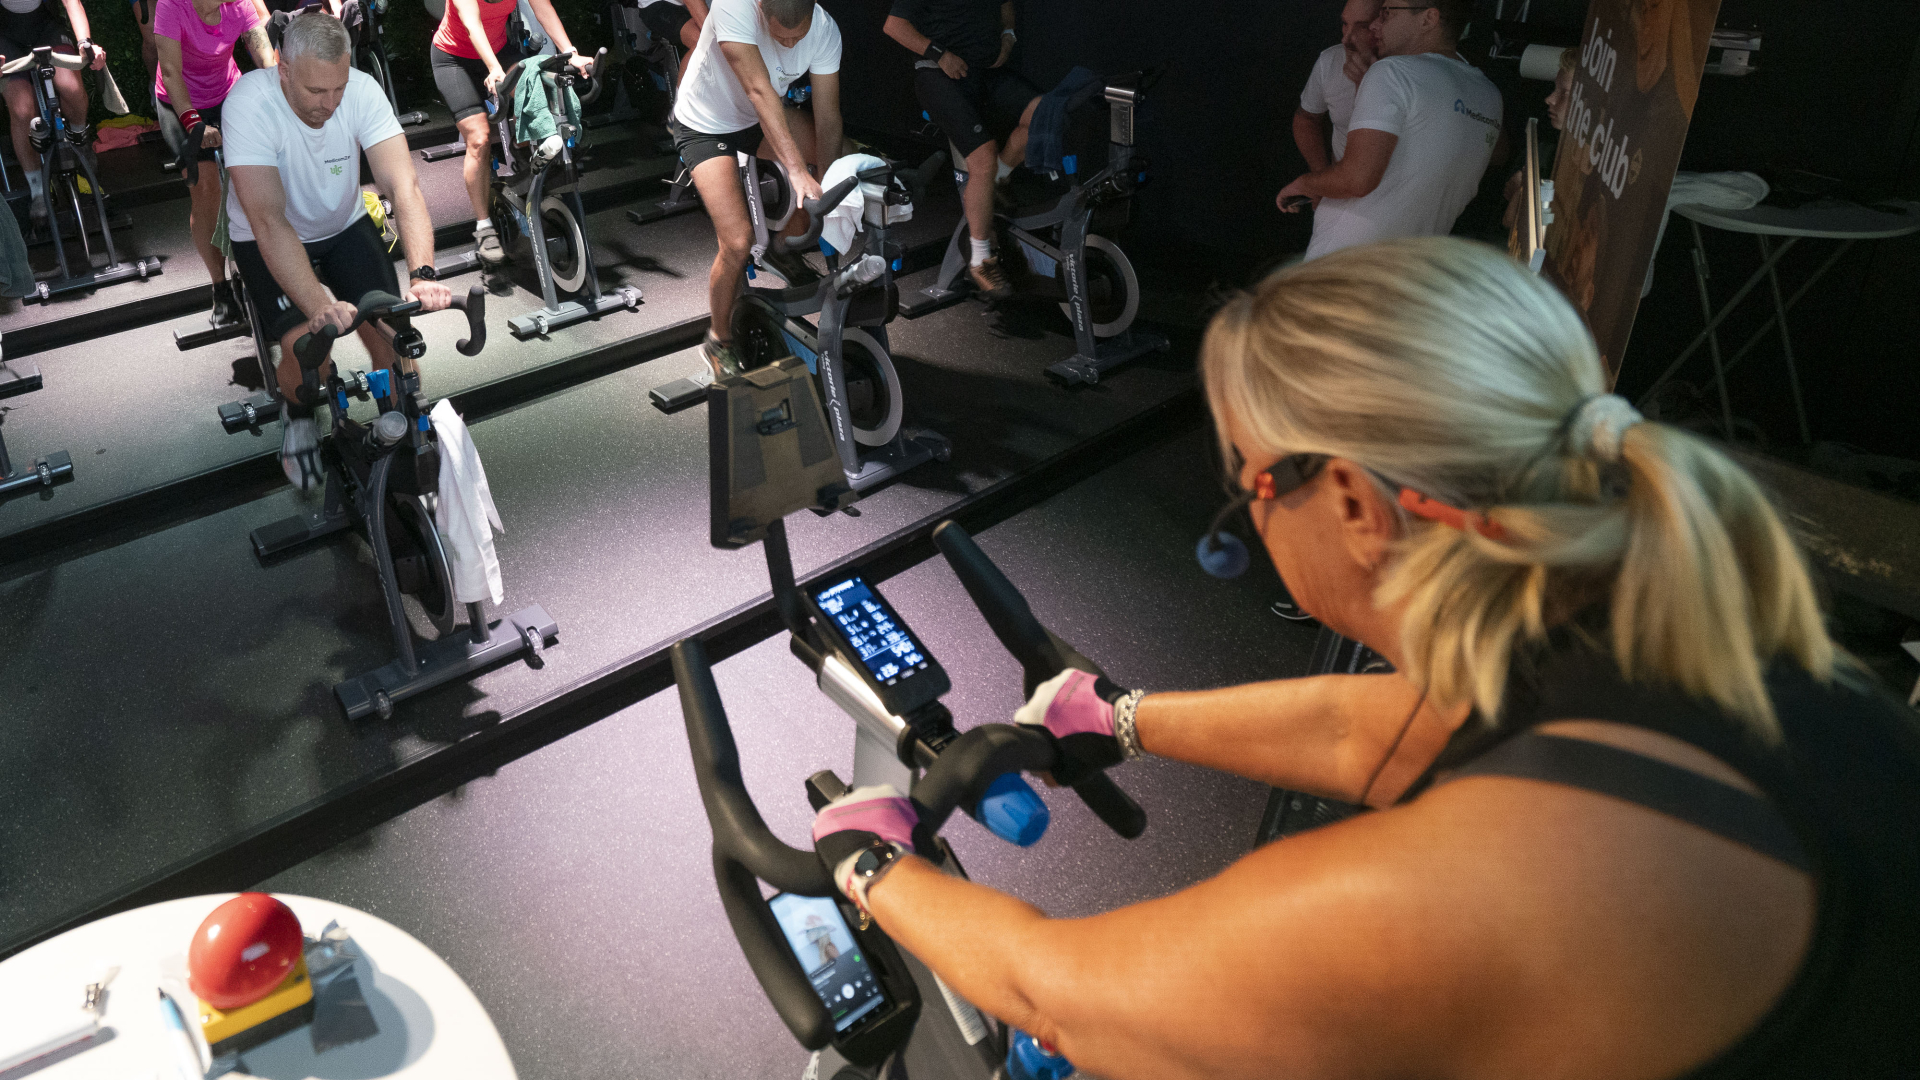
x,y
226,310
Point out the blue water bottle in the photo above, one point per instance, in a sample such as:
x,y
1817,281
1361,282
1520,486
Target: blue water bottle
x,y
1011,811
1030,1059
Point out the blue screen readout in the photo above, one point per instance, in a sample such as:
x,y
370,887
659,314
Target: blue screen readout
x,y
870,627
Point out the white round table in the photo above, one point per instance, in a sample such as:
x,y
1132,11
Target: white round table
x,y
1828,219
431,1025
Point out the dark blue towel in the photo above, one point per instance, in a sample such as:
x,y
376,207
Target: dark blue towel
x,y
1047,135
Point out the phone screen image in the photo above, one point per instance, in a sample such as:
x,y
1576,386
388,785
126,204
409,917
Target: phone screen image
x,y
870,627
831,958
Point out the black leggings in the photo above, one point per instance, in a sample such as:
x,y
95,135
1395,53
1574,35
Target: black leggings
x,y
463,82
353,262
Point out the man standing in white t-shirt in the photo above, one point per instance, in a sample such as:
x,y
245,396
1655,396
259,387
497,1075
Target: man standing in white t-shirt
x,y
1425,124
293,136
733,100
1326,104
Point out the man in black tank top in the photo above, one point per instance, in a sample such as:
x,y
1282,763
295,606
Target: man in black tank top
x,y
1678,835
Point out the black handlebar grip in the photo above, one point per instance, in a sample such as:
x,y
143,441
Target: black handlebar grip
x,y
920,178
1112,805
816,214
745,852
594,81
312,349
738,828
475,306
1006,611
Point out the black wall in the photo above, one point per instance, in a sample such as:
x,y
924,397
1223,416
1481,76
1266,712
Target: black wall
x,y
1215,129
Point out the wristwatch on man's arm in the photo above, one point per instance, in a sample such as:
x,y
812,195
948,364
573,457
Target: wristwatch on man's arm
x,y
423,273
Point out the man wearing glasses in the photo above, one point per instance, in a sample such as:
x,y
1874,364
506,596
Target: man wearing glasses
x,y
1425,125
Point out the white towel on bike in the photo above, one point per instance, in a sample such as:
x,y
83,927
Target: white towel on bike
x,y
464,512
848,218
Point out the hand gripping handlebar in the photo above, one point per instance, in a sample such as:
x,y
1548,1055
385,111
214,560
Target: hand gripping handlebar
x,y
70,61
1042,655
817,210
311,349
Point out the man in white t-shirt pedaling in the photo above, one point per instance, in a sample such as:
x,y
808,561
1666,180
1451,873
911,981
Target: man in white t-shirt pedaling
x,y
1425,125
294,136
1326,103
733,100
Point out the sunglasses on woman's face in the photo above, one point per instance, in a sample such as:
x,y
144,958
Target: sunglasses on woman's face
x,y
1282,478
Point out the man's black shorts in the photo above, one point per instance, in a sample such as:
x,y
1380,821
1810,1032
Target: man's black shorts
x,y
463,82
696,147
985,106
176,134
352,263
665,21
21,34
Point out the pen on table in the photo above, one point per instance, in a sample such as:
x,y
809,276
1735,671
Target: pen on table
x,y
186,1055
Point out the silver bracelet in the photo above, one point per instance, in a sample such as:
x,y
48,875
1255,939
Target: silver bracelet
x,y
1123,724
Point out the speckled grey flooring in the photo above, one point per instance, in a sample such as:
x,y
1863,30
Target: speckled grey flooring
x,y
166,692
574,892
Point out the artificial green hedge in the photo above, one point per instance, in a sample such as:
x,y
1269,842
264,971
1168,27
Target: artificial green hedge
x,y
409,32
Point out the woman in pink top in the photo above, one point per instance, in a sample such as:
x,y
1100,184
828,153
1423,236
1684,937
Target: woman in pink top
x,y
195,40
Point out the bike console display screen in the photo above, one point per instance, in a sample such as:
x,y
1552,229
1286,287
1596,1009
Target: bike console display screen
x,y
833,961
893,661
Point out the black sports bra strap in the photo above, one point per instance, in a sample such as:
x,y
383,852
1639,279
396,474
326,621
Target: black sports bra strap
x,y
1719,808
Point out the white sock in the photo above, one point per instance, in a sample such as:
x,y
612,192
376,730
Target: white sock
x,y
1001,169
982,250
33,183
482,223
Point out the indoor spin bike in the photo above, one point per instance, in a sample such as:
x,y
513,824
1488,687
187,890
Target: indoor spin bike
x,y
382,482
846,347
1062,258
634,42
662,60
63,167
370,53
540,200
862,1005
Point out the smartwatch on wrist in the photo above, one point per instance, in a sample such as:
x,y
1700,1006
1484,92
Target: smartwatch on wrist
x,y
934,52
423,273
869,867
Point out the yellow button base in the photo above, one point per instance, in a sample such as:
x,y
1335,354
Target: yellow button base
x,y
219,1026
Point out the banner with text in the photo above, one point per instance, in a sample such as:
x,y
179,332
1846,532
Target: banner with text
x,y
1634,84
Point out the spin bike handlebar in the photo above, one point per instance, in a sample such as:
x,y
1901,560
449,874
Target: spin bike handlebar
x,y
745,851
1042,655
817,214
70,61
312,349
561,62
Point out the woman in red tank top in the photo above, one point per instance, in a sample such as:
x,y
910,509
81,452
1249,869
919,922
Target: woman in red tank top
x,y
471,55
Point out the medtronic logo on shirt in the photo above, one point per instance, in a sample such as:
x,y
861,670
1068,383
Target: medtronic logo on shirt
x,y
1460,107
334,169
